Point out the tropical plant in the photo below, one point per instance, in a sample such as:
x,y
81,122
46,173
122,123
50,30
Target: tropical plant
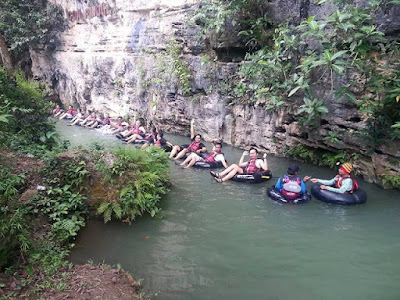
x,y
24,112
14,221
26,24
138,179
311,111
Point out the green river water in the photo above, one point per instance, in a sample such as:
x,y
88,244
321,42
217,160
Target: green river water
x,y
230,241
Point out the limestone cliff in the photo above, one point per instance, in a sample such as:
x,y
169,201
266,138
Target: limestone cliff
x,y
109,60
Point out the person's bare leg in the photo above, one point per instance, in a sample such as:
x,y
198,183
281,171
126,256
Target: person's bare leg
x,y
192,162
232,173
174,151
187,160
132,138
181,154
227,170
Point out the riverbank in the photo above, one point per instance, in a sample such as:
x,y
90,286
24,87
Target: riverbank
x,y
48,201
78,282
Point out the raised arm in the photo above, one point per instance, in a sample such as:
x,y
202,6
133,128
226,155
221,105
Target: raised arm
x,y
264,163
192,129
241,161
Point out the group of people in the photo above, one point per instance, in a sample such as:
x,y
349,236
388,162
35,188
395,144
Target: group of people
x,y
118,127
289,185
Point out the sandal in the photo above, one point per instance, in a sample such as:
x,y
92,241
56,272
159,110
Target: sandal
x,y
218,180
215,174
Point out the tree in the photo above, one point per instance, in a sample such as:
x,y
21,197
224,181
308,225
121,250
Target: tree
x,y
5,56
27,24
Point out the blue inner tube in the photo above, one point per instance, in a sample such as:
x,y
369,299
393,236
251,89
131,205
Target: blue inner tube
x,y
274,194
358,197
206,165
253,178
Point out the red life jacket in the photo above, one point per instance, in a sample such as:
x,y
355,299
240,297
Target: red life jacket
x,y
339,180
137,130
151,136
193,147
210,158
290,195
105,121
251,167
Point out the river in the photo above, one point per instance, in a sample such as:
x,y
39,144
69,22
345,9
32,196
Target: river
x,y
230,241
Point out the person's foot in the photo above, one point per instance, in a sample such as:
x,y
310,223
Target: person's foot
x,y
177,162
218,180
215,174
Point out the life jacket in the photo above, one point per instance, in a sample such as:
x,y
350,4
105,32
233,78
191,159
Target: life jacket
x,y
105,121
251,167
291,187
137,130
151,136
339,180
193,147
210,158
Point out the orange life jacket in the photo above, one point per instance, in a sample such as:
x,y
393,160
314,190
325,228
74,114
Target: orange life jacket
x,y
339,180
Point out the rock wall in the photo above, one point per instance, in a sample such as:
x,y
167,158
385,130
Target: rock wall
x,y
109,57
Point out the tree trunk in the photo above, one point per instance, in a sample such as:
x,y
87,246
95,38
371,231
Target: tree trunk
x,y
5,56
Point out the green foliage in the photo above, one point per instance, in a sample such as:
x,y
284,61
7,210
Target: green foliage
x,y
312,110
392,180
332,137
172,68
25,126
66,211
214,16
26,24
63,202
138,178
108,209
14,221
320,157
299,59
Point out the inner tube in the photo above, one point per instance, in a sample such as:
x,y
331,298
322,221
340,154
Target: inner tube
x,y
357,197
253,178
208,165
166,148
274,194
140,141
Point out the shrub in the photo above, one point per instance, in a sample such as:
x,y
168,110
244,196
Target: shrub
x,y
24,125
138,179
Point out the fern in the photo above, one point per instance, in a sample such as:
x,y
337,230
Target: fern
x,y
117,210
103,206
